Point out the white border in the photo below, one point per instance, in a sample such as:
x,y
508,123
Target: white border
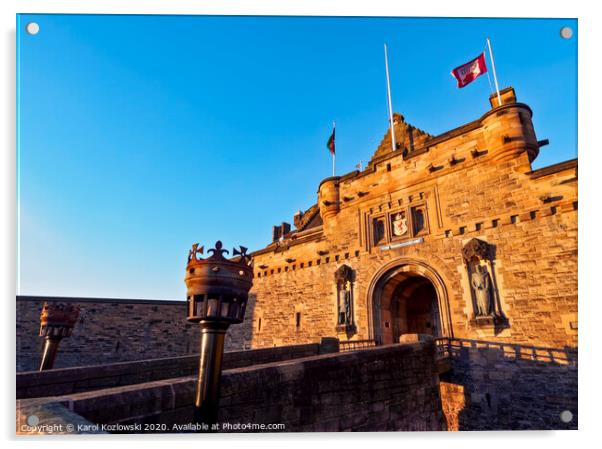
x,y
589,204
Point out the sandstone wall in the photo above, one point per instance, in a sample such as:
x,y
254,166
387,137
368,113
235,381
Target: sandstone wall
x,y
386,388
114,330
500,386
535,266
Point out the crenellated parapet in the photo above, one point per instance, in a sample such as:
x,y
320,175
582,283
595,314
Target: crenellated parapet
x,y
413,183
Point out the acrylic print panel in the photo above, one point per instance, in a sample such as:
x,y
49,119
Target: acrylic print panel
x,y
373,244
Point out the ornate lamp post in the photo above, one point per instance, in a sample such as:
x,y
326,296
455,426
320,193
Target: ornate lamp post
x,y
56,322
217,294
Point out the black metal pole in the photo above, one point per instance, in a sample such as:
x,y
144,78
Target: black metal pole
x,y
206,402
51,347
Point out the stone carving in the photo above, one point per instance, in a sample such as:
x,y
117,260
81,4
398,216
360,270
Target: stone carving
x,y
346,316
481,284
475,249
400,224
478,256
344,281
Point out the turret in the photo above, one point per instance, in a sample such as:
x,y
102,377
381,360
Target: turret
x,y
328,197
508,129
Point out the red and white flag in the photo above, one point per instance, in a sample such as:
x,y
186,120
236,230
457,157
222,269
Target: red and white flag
x,y
466,73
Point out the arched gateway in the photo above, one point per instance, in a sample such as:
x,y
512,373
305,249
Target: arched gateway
x,y
407,297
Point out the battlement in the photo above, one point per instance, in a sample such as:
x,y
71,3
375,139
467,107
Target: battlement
x,y
501,134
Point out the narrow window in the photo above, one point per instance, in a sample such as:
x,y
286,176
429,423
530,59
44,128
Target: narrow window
x,y
379,231
419,221
259,325
298,320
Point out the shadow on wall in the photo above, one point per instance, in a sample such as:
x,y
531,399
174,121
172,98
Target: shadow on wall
x,y
498,386
240,336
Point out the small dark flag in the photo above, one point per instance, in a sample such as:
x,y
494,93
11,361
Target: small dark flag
x,y
330,144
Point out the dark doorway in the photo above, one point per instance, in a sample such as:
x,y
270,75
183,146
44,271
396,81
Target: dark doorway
x,y
408,306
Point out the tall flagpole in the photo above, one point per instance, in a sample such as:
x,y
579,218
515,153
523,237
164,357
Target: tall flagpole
x,y
497,87
334,125
390,103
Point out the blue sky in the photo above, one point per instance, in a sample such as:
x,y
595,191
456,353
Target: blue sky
x,y
140,135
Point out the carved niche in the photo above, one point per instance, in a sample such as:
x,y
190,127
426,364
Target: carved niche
x,y
478,257
475,250
344,278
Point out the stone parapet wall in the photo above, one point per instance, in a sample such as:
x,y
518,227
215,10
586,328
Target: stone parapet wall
x,y
493,386
392,387
58,382
114,330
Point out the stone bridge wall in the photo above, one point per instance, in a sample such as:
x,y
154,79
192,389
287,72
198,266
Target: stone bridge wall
x,y
498,386
385,388
61,381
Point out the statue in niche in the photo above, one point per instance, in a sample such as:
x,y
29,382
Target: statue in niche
x,y
478,257
347,303
344,281
481,284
